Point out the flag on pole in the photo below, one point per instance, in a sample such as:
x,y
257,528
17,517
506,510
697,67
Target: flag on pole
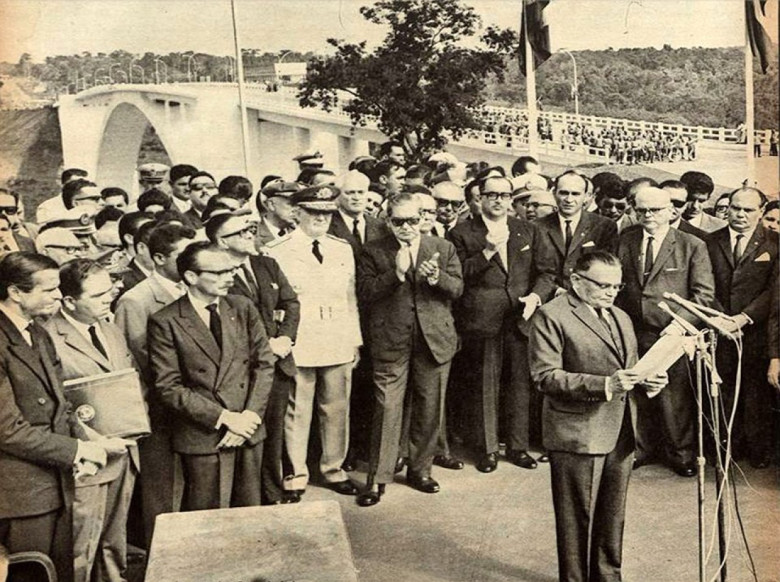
x,y
532,21
758,35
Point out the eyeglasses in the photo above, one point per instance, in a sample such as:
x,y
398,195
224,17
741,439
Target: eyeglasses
x,y
428,211
602,286
68,249
218,273
646,211
680,203
493,196
249,231
441,203
399,222
615,205
9,210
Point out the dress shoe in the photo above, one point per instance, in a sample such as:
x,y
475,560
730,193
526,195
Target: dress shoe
x,y
686,470
424,484
488,463
290,497
448,462
368,498
544,458
348,465
400,463
343,487
521,459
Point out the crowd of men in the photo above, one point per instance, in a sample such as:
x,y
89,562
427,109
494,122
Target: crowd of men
x,y
395,309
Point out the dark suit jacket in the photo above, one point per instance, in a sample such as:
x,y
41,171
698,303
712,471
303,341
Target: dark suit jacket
x,y
688,228
25,243
393,304
36,449
492,289
555,265
197,380
745,287
275,295
375,229
192,219
571,353
773,325
132,277
682,267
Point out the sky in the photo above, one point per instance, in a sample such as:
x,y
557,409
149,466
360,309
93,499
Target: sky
x,y
51,27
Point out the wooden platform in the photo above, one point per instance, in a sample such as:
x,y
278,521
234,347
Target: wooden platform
x,y
303,542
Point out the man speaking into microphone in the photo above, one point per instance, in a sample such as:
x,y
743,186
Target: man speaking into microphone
x,y
581,354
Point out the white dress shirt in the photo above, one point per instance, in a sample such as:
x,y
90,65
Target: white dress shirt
x,y
175,289
733,238
350,221
19,322
575,221
200,308
499,228
83,329
658,240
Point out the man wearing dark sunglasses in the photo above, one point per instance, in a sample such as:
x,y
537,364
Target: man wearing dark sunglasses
x,y
658,259
408,282
449,200
678,196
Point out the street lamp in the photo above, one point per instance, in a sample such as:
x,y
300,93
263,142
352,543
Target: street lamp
x,y
189,67
94,75
575,86
110,71
157,62
130,72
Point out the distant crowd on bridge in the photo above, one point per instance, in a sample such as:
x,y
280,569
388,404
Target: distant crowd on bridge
x,y
406,312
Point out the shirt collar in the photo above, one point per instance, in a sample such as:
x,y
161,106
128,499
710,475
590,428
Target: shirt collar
x,y
658,236
747,234
200,305
350,220
82,328
21,323
575,220
174,289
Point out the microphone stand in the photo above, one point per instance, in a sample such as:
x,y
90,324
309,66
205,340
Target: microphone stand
x,y
706,345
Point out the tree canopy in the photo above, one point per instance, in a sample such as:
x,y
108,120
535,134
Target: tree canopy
x,y
421,83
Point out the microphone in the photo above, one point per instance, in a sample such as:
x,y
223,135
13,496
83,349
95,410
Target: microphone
x,y
699,312
686,325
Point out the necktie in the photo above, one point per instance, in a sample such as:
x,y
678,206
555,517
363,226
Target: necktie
x,y
567,235
30,337
738,250
246,274
356,231
282,231
612,328
315,250
215,324
96,341
649,259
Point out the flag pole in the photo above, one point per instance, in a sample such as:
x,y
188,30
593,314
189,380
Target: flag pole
x,y
530,87
750,111
241,102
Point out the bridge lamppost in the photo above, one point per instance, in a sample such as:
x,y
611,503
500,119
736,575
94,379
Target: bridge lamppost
x,y
130,72
94,75
124,75
157,62
111,71
575,86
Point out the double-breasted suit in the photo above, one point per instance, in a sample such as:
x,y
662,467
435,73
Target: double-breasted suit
x,y
279,309
746,287
488,317
554,262
102,501
197,381
682,266
590,436
412,340
37,451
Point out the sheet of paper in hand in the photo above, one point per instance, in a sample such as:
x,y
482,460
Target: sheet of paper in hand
x,y
659,358
112,403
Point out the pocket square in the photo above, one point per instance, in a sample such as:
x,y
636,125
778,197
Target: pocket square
x,y
763,258
590,243
525,248
274,286
671,269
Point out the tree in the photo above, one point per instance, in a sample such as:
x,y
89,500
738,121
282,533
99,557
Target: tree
x,y
421,84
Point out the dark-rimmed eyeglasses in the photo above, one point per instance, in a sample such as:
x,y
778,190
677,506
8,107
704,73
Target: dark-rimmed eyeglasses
x,y
441,203
606,205
68,249
399,222
493,196
602,286
645,211
679,203
9,210
248,231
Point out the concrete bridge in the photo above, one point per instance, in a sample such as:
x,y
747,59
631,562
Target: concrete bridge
x,y
200,124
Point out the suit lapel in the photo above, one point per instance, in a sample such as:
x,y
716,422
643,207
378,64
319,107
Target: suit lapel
x,y
79,343
634,244
752,246
518,239
554,232
724,244
193,325
230,332
588,317
583,228
666,250
21,349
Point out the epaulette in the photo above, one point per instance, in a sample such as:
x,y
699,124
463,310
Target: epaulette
x,y
333,237
277,241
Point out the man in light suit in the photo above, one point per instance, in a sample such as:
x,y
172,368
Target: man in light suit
x,y
581,351
212,369
499,273
566,234
37,452
88,345
408,282
745,264
351,224
160,489
321,270
658,259
260,279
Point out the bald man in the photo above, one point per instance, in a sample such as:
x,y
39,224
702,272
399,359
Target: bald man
x,y
658,259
